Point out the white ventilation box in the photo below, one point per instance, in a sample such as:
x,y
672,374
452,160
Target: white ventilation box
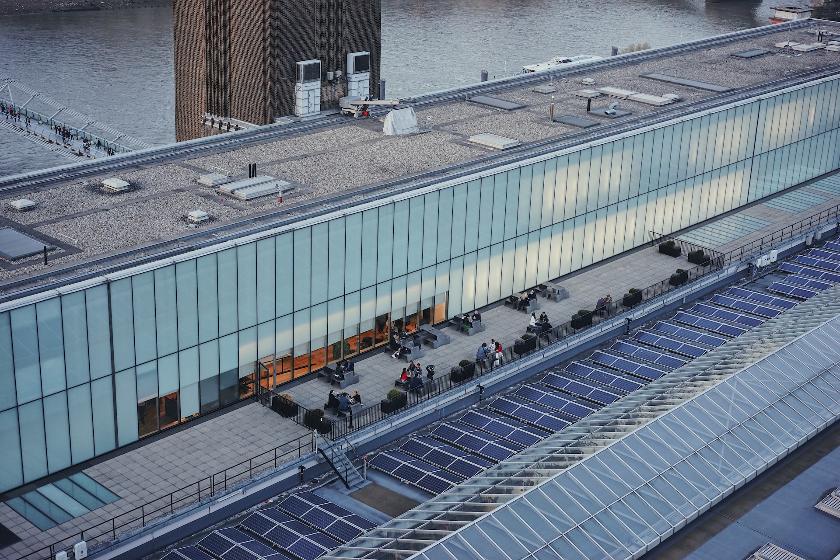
x,y
114,185
617,92
401,121
494,141
648,99
23,204
197,216
808,47
213,179
358,63
773,256
256,187
308,88
61,555
80,550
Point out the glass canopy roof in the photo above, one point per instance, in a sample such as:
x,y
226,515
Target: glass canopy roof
x,y
626,477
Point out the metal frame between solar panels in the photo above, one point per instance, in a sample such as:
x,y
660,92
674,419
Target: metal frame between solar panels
x,y
647,354
531,412
817,263
482,419
699,320
753,308
613,379
328,517
688,334
627,365
487,441
803,270
724,315
299,538
752,296
792,291
563,381
668,343
424,475
437,453
555,400
806,282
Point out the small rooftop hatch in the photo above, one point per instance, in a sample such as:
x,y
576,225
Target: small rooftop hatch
x,y
15,245
696,84
494,141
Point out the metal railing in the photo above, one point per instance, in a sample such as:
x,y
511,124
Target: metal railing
x,y
175,501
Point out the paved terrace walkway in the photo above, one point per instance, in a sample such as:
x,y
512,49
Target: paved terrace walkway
x,y
197,451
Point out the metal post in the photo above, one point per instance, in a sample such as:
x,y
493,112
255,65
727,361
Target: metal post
x,y
484,75
381,89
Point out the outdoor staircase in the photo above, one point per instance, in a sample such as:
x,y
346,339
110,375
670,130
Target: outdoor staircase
x,y
335,453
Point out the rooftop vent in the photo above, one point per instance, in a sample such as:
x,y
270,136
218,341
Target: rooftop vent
x,y
114,185
833,48
15,245
617,92
23,204
654,100
705,86
786,44
197,216
830,504
587,93
256,187
545,89
496,103
587,81
401,121
213,179
494,141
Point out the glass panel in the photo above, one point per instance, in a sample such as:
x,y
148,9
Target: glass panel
x,y
400,234
265,280
384,240
318,271
58,434
104,431
187,294
353,252
166,318
284,274
99,331
208,298
415,226
74,327
33,445
25,344
147,397
444,223
246,256
81,423
188,379
126,397
10,460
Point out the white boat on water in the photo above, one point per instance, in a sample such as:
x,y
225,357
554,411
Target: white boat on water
x,y
561,62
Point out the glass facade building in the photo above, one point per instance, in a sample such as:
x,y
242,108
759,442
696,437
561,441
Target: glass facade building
x,y
93,366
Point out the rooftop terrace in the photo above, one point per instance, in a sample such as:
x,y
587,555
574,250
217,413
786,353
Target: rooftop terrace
x,y
334,161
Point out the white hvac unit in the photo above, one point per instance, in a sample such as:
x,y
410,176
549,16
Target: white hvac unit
x,y
197,216
401,121
80,550
358,74
773,256
308,88
809,240
61,555
23,204
115,185
256,187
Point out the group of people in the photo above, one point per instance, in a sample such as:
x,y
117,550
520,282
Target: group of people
x,y
411,376
525,301
341,402
489,355
541,324
343,368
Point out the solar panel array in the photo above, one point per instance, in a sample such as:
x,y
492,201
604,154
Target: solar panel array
x,y
302,526
462,447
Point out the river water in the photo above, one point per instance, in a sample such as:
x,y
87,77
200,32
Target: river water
x,y
116,66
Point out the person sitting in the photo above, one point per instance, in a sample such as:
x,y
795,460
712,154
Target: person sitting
x,y
476,316
430,372
349,366
332,402
524,300
532,294
532,322
403,377
343,404
545,325
356,398
401,351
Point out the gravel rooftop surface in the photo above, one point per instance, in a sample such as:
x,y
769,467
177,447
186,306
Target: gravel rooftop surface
x,y
340,158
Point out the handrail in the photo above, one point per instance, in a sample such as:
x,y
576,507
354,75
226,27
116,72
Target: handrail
x,y
168,504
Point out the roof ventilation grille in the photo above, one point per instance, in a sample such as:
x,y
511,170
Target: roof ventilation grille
x,y
23,204
255,187
115,185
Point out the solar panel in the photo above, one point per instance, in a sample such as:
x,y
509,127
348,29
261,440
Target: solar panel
x,y
556,400
581,389
802,270
758,297
530,412
415,472
746,306
792,291
724,314
653,356
805,282
215,544
690,335
606,377
817,263
824,254
833,245
626,365
445,456
495,102
188,553
503,427
708,324
670,344
287,533
485,445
